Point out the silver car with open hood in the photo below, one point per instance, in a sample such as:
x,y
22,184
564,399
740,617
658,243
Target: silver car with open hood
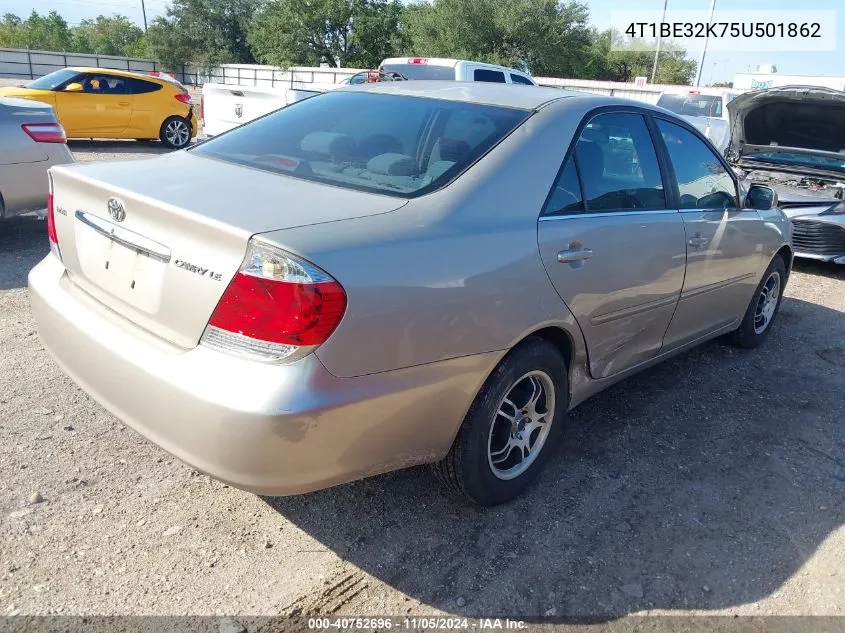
x,y
793,139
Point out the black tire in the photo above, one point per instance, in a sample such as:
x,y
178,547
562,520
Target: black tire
x,y
468,469
752,331
176,132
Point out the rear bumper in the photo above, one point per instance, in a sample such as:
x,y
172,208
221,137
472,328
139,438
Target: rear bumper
x,y
270,429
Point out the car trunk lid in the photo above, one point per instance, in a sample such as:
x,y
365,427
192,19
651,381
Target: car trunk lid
x,y
158,241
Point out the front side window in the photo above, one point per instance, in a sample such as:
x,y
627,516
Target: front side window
x,y
103,84
394,144
492,76
703,182
618,164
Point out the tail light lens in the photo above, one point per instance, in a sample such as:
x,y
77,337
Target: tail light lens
x,y
45,132
51,224
184,97
277,307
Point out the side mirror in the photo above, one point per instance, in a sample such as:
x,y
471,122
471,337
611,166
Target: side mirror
x,y
74,87
761,198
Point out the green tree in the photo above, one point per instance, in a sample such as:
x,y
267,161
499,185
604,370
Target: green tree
x,y
116,35
47,32
204,32
611,58
339,33
547,37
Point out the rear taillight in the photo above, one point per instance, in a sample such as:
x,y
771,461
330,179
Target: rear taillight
x,y
277,307
184,97
51,224
45,132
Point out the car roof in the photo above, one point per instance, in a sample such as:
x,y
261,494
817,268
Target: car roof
x,y
506,95
114,71
446,61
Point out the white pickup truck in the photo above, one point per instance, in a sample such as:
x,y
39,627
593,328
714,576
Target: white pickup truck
x,y
225,106
705,109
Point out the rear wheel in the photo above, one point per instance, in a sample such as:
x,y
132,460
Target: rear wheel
x,y
175,132
761,312
511,428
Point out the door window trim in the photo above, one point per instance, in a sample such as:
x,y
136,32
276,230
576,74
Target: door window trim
x,y
676,191
667,178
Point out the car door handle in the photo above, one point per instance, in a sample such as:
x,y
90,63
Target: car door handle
x,y
698,241
574,255
124,103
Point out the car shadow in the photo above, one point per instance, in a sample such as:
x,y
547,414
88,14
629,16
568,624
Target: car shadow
x,y
106,146
23,243
821,269
704,483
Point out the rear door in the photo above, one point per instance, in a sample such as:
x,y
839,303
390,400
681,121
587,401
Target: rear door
x,y
610,242
724,242
148,109
102,108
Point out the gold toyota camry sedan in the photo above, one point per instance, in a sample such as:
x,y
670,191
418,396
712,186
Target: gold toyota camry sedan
x,y
401,273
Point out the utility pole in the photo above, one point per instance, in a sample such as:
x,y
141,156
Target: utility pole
x,y
144,11
659,38
704,51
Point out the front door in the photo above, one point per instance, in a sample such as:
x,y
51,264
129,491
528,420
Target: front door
x,y
613,250
103,108
723,241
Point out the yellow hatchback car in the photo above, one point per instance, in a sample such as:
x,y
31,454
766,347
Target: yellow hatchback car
x,y
106,103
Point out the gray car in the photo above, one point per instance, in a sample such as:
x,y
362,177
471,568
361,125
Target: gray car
x,y
32,141
401,273
793,139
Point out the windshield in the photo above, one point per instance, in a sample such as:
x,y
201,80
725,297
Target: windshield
x,y
421,71
49,82
692,105
800,160
395,144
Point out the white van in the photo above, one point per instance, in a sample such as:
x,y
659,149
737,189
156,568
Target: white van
x,y
453,70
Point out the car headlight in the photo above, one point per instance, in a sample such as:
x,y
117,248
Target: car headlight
x,y
836,209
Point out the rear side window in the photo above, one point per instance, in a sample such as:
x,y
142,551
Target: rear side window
x,y
703,182
492,76
566,196
140,86
618,164
519,79
393,144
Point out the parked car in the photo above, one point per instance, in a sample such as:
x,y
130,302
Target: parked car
x,y
227,106
793,139
400,273
706,110
32,141
106,103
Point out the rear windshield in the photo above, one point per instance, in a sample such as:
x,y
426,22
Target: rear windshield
x,y
54,79
421,71
394,144
692,105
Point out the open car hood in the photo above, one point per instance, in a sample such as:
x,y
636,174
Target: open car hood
x,y
795,129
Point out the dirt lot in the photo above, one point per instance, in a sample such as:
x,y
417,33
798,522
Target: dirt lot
x,y
714,483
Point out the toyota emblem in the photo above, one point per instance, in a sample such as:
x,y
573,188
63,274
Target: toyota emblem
x,y
116,210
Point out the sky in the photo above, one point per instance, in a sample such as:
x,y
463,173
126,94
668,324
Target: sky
x,y
716,67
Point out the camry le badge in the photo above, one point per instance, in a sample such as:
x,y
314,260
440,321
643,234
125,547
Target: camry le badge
x,y
116,210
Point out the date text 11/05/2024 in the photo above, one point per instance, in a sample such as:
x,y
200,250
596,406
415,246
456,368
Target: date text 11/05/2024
x,y
415,624
723,29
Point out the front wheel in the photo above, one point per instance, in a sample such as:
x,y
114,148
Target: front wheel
x,y
512,427
761,312
175,132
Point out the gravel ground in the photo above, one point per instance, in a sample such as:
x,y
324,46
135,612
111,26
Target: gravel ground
x,y
714,483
